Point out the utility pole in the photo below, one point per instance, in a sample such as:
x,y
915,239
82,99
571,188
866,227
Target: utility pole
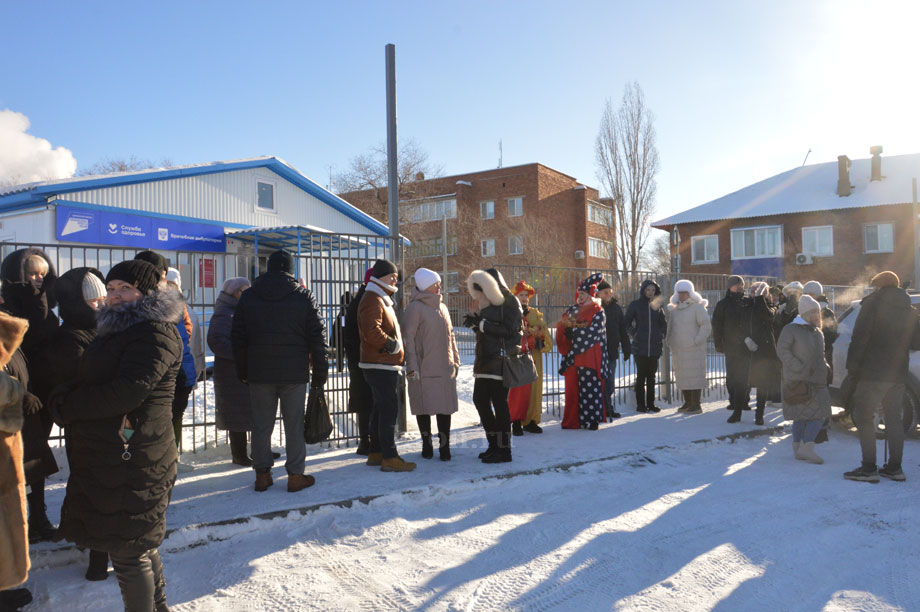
x,y
916,236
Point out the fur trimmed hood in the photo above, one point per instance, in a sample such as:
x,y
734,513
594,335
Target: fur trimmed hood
x,y
12,331
164,305
485,288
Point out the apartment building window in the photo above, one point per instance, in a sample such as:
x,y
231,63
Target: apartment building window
x,y
705,249
600,248
757,242
515,207
488,247
515,245
487,210
432,247
265,195
430,211
600,214
450,283
878,237
818,241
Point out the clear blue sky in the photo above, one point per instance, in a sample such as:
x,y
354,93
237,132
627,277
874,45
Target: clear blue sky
x,y
740,90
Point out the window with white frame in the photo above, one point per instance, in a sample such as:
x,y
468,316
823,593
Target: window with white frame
x,y
450,283
757,242
515,245
430,211
705,249
265,195
431,247
600,214
600,248
515,207
878,237
487,210
488,247
818,241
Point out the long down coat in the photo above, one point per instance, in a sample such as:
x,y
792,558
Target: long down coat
x,y
231,397
116,503
431,352
801,350
688,333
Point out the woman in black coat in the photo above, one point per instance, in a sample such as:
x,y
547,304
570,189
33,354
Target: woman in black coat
x,y
765,365
120,435
231,397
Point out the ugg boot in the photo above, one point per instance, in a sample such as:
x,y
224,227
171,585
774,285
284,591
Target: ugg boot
x,y
688,401
444,446
807,453
427,448
396,464
238,453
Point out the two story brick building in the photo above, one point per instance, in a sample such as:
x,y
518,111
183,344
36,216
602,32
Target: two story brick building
x,y
839,223
521,215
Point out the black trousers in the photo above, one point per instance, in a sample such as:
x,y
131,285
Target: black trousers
x,y
424,423
140,578
737,372
646,369
382,426
490,397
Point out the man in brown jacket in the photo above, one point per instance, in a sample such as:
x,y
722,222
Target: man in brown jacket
x,y
382,362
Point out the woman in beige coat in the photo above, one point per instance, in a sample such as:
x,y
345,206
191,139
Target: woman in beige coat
x,y
432,361
688,332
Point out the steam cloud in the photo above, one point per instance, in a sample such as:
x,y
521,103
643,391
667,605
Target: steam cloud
x,y
25,158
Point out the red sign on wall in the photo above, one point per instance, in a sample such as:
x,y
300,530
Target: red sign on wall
x,y
207,277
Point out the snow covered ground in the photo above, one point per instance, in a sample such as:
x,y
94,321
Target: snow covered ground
x,y
652,512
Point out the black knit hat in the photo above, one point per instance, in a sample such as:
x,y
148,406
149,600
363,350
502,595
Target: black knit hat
x,y
137,272
281,261
735,280
155,259
383,267
603,285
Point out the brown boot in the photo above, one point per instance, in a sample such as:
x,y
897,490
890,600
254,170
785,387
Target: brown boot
x,y
263,481
299,482
374,458
396,464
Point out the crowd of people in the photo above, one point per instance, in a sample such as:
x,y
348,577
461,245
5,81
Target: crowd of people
x,y
115,365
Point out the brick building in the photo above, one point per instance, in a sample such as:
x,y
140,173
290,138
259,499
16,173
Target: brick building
x,y
520,215
838,222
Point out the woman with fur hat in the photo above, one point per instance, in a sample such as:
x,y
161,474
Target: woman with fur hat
x,y
688,333
582,339
806,400
120,437
432,361
765,366
647,326
526,403
496,320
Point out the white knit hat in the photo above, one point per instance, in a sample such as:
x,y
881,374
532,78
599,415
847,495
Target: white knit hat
x,y
173,276
93,287
813,288
807,304
793,286
425,278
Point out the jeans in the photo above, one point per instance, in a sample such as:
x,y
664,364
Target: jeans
x,y
382,427
646,368
867,399
806,431
140,578
265,398
490,397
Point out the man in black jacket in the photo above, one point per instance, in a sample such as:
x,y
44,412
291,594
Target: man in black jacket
x,y
731,324
276,331
616,338
878,358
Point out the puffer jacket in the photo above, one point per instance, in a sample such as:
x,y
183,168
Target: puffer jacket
x,y
499,325
118,492
645,322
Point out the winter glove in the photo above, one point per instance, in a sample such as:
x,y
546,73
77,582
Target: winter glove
x,y
391,346
471,320
30,403
752,346
319,378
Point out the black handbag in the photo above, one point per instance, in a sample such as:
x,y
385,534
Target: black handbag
x,y
317,425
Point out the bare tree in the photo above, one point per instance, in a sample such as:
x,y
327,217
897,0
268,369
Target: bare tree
x,y
656,255
627,163
111,165
369,170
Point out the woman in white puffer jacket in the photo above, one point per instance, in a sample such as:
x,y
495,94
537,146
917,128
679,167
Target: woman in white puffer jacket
x,y
688,332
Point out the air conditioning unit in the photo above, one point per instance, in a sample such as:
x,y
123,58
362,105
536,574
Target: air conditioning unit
x,y
803,259
579,254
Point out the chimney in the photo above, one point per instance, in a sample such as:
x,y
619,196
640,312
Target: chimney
x,y
843,176
876,163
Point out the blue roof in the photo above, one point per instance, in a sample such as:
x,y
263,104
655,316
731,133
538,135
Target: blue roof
x,y
31,194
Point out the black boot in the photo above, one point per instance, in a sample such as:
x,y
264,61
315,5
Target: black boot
x,y
688,401
694,406
516,428
98,565
427,448
40,528
502,451
758,415
490,438
13,599
364,438
444,446
650,399
640,400
735,417
238,453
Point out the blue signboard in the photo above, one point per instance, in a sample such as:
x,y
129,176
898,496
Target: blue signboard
x,y
137,231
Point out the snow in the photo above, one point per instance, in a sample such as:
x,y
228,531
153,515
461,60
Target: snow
x,y
809,188
651,512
